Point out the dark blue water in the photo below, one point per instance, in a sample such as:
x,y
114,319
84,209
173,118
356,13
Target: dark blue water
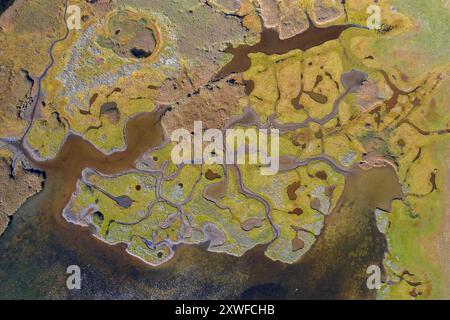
x,y
5,4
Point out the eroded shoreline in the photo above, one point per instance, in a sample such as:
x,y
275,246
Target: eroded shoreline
x,y
65,169
350,241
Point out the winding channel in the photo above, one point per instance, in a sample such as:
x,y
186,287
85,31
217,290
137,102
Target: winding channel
x,y
48,243
44,74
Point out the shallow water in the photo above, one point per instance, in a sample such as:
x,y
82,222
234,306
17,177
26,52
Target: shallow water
x,y
39,245
270,43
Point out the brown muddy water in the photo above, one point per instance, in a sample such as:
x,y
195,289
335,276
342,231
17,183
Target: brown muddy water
x,y
39,244
270,43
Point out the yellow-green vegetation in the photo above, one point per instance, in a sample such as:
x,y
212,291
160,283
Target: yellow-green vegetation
x,y
411,272
46,135
414,44
416,235
157,159
98,191
378,121
27,21
299,200
233,210
284,248
132,57
399,115
144,225
22,58
414,134
87,74
297,84
179,188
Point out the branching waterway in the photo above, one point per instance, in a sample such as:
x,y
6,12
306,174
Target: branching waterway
x,y
39,244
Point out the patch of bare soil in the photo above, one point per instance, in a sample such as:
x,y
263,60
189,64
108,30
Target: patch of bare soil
x,y
212,103
286,16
